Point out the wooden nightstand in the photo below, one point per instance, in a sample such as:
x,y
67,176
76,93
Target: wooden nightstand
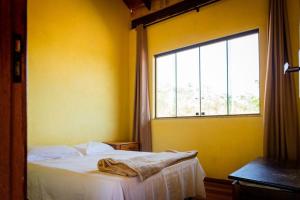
x,y
128,146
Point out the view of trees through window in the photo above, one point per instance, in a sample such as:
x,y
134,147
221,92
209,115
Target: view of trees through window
x,y
216,78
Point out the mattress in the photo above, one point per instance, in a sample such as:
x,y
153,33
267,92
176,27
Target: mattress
x,y
77,178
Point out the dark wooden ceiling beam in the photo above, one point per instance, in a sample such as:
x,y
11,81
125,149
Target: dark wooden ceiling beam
x,y
147,4
133,4
171,11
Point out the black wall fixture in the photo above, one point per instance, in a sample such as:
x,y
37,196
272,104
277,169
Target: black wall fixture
x,y
290,69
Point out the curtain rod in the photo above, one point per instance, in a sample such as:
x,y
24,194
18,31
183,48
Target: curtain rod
x,y
169,17
170,12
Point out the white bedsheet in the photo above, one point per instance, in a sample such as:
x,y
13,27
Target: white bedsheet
x,y
77,178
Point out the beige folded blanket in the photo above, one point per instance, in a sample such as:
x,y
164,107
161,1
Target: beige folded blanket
x,y
143,166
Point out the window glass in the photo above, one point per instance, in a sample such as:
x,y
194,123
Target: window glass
x,y
243,68
165,86
188,94
213,79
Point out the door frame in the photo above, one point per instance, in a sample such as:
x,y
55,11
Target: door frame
x,y
13,106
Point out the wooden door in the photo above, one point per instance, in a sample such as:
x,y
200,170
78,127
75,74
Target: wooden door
x,y
12,100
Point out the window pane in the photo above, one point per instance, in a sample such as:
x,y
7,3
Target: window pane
x,y
188,94
165,86
213,79
243,66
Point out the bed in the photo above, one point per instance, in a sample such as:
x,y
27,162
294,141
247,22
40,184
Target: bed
x,y
77,177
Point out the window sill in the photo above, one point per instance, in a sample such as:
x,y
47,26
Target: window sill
x,y
209,116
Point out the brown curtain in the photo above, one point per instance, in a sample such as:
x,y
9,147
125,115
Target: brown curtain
x,y
142,120
281,116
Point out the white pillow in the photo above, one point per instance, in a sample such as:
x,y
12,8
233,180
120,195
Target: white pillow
x,y
51,152
32,158
92,148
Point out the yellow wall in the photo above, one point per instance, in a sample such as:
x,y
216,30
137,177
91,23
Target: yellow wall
x,y
224,143
77,71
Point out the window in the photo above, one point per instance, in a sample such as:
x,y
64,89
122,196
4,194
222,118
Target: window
x,y
220,77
